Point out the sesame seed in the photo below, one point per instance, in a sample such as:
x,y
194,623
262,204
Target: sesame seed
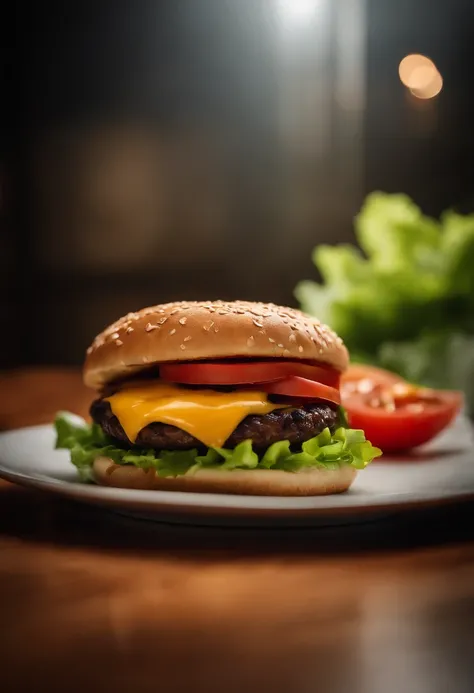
x,y
162,321
181,346
216,329
222,312
286,352
208,326
175,310
186,339
89,350
173,331
280,346
115,335
300,349
149,327
182,321
321,351
257,323
118,342
129,329
292,338
250,341
272,341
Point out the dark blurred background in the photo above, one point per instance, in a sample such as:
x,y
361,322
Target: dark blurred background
x,y
154,151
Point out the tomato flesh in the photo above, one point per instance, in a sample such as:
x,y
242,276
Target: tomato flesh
x,y
361,378
246,373
394,414
295,386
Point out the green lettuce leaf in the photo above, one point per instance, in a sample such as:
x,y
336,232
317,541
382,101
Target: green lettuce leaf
x,y
327,451
393,233
435,359
404,299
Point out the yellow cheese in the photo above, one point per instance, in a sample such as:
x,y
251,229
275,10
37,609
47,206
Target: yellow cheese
x,y
208,415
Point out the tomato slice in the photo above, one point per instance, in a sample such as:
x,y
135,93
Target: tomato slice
x,y
396,415
363,379
295,386
244,373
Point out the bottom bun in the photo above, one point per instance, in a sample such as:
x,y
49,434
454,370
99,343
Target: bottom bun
x,y
255,482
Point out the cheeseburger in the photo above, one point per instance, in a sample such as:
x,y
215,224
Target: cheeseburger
x,y
231,397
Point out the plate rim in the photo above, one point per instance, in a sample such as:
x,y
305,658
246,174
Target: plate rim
x,y
185,502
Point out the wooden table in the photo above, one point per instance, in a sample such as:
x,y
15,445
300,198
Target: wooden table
x,y
90,601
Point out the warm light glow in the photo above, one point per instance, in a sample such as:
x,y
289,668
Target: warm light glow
x,y
420,75
431,90
297,11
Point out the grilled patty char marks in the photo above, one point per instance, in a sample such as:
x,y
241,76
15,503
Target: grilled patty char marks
x,y
295,424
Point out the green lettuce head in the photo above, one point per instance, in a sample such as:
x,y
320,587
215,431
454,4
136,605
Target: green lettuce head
x,y
403,299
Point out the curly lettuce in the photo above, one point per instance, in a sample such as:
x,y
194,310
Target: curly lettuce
x,y
403,299
327,451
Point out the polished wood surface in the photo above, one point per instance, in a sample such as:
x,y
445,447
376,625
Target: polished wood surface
x,y
93,601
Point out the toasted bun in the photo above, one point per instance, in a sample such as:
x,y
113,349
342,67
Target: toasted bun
x,y
208,330
255,482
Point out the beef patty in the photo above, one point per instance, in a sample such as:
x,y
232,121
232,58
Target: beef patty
x,y
296,425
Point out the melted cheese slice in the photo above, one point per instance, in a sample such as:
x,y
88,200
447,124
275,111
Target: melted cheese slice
x,y
207,415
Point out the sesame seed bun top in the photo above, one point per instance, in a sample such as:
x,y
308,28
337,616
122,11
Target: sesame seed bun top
x,y
190,330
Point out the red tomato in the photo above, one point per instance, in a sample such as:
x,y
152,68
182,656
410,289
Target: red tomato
x,y
301,387
361,378
244,373
396,415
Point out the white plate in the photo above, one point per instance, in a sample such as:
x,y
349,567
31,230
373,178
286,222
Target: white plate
x,y
442,472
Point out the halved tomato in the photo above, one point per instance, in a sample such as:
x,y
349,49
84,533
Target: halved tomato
x,y
245,372
361,378
394,414
302,388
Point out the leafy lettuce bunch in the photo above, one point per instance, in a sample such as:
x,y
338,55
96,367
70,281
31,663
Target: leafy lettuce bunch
x,y
404,299
328,451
